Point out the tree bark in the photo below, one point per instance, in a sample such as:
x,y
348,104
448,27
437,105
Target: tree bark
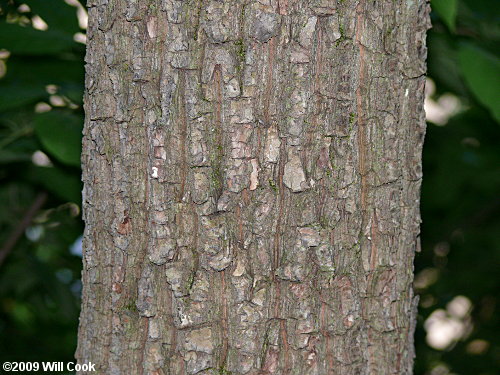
x,y
252,173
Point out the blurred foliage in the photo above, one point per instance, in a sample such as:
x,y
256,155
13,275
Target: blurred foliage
x,y
41,86
460,192
41,117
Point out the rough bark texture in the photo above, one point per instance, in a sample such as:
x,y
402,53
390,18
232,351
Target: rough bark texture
x,y
252,173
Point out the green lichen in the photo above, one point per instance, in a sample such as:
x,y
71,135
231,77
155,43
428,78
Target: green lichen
x,y
273,185
216,177
219,370
327,269
241,50
328,272
241,57
332,160
109,151
197,20
240,45
223,371
323,222
265,345
216,161
194,271
130,306
342,35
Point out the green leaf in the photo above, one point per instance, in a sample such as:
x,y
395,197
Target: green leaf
x,y
44,70
28,41
66,186
26,79
14,94
64,18
443,64
447,10
9,156
60,133
73,91
480,70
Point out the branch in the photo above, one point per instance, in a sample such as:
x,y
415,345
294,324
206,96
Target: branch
x,y
21,227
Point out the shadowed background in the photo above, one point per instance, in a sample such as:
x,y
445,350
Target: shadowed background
x,y
42,45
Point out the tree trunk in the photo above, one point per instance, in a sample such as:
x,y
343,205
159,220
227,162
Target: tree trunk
x,y
252,173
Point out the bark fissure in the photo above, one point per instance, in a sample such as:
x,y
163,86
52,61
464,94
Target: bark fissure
x,y
251,182
183,133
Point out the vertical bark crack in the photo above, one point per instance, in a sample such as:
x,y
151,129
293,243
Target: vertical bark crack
x,y
182,132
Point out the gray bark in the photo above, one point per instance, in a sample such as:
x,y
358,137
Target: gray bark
x,y
252,173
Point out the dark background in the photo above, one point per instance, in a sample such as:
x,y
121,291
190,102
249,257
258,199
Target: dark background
x,y
41,86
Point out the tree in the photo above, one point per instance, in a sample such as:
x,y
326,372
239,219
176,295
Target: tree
x,y
251,186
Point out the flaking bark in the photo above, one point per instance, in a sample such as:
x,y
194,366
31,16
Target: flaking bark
x,y
252,173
